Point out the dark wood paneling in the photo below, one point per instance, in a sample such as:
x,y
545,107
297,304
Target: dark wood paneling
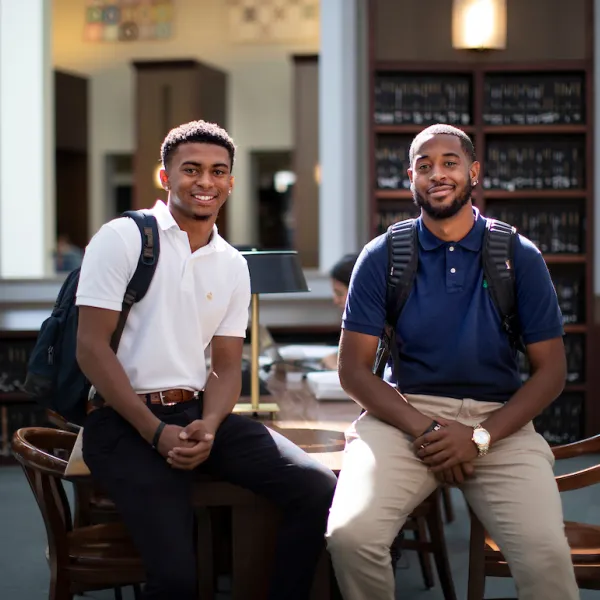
x,y
71,159
71,112
306,158
71,196
537,30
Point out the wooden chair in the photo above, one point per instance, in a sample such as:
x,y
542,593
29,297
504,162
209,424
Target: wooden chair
x,y
486,559
428,516
82,558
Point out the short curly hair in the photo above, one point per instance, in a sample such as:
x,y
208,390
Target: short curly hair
x,y
439,129
201,132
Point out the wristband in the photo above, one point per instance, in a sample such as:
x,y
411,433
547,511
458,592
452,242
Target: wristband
x,y
157,433
435,426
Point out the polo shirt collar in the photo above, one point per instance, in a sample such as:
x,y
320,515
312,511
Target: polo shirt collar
x,y
165,221
472,241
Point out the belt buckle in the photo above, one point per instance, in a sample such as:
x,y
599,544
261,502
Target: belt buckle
x,y
162,400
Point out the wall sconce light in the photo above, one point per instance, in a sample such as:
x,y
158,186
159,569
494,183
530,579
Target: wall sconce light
x,y
479,24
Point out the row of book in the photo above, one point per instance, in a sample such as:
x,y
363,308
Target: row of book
x,y
509,165
26,414
14,356
575,352
392,162
570,291
513,99
422,100
534,164
533,100
553,229
563,421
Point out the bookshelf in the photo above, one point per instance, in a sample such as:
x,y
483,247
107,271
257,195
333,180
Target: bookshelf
x,y
533,134
16,408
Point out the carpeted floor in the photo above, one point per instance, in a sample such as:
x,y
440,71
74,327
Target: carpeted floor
x,y
24,573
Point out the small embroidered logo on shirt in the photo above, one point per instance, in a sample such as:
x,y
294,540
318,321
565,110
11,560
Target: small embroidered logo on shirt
x,y
209,296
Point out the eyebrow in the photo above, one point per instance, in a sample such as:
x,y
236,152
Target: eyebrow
x,y
196,164
422,156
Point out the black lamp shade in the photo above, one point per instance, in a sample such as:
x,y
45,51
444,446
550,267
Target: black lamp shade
x,y
275,272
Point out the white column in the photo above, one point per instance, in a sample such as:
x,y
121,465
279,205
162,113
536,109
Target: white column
x,y
27,214
340,121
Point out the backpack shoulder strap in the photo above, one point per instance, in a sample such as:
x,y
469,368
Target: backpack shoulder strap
x,y
142,277
498,269
403,257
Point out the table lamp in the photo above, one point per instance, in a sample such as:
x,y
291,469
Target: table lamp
x,y
271,272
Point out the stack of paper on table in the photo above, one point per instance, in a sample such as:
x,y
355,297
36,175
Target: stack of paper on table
x,y
325,385
306,352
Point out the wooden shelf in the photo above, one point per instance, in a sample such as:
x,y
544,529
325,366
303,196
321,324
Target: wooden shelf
x,y
576,328
565,259
575,387
393,195
533,194
15,398
413,129
534,129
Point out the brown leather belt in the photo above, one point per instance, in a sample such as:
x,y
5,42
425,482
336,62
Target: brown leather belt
x,y
168,397
165,397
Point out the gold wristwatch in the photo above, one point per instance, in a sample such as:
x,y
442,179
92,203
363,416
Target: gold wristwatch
x,y
481,438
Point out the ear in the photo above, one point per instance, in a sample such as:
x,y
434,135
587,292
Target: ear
x,y
410,175
474,170
164,178
231,183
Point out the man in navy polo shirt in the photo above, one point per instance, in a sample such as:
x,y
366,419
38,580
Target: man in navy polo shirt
x,y
458,412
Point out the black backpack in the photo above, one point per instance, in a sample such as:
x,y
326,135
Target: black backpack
x,y
54,378
499,277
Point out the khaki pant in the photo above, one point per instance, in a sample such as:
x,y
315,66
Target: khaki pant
x,y
513,492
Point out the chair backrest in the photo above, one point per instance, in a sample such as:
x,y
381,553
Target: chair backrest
x,y
43,454
584,477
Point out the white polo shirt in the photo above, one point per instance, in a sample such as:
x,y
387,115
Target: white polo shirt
x,y
192,298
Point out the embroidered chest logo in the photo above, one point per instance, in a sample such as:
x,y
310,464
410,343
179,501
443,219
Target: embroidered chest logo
x,y
209,296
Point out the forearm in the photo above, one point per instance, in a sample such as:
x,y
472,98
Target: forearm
x,y
220,396
538,392
103,369
384,402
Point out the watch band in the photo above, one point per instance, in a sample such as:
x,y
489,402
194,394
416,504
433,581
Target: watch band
x,y
157,433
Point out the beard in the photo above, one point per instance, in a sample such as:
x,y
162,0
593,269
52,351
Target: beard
x,y
440,213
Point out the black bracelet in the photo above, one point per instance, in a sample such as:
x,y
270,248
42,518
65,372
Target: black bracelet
x,y
157,433
433,427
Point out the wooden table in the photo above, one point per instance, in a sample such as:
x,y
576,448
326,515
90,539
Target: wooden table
x,y
318,428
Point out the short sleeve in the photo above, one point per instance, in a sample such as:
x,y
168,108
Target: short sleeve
x,y
538,308
235,321
365,305
108,265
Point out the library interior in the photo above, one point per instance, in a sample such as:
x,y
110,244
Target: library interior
x,y
326,102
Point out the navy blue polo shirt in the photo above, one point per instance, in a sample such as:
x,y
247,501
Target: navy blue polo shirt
x,y
449,335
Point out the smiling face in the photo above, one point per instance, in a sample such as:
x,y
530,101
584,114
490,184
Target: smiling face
x,y
442,176
199,181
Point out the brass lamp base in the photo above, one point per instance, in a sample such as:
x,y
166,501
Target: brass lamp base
x,y
262,408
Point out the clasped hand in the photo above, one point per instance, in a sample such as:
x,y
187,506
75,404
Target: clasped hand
x,y
448,452
186,447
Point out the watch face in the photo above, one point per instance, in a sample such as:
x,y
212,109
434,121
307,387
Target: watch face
x,y
481,437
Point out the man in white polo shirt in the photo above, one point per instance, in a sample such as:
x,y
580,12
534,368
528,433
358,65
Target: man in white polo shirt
x,y
163,416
